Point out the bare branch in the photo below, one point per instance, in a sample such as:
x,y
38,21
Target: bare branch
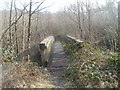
x,y
13,23
42,9
37,7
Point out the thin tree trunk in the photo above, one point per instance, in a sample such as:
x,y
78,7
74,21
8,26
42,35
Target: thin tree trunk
x,y
79,18
10,20
16,39
118,31
23,33
37,20
29,27
89,20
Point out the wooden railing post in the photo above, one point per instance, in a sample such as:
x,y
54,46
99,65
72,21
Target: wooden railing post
x,y
42,49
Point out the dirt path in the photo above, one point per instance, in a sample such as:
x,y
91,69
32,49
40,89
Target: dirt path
x,y
56,67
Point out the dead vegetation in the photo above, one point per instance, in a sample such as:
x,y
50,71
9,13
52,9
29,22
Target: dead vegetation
x,y
23,74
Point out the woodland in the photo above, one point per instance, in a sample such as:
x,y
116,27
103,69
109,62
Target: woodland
x,y
24,27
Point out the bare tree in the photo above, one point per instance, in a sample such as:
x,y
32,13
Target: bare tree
x,y
29,27
16,40
118,31
12,23
79,17
89,17
76,10
29,21
10,20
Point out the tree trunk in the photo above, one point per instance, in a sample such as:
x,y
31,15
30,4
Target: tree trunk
x,y
89,19
10,19
16,39
118,31
29,28
79,19
23,34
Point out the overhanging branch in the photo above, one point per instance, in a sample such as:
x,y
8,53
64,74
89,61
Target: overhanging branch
x,y
13,23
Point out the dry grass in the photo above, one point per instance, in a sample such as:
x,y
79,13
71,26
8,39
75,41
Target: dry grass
x,y
23,75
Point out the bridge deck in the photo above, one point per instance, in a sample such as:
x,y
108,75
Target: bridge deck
x,y
59,62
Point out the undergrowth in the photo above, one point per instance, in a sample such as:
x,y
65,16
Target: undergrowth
x,y
89,66
8,54
22,74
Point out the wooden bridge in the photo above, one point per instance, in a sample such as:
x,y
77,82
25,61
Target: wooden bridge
x,y
54,57
51,55
51,49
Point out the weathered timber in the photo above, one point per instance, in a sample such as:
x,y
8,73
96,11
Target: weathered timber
x,y
45,49
70,40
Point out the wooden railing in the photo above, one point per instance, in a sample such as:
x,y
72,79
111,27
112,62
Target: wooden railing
x,y
69,40
45,49
40,52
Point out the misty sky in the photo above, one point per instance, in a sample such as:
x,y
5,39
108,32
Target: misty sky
x,y
56,4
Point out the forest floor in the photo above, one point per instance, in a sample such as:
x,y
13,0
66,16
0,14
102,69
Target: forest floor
x,y
29,75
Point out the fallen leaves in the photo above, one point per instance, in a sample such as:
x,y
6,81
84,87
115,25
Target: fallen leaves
x,y
22,74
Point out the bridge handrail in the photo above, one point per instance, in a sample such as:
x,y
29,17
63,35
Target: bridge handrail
x,y
45,48
69,39
74,39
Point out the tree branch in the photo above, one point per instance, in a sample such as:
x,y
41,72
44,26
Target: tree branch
x,y
13,23
37,7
